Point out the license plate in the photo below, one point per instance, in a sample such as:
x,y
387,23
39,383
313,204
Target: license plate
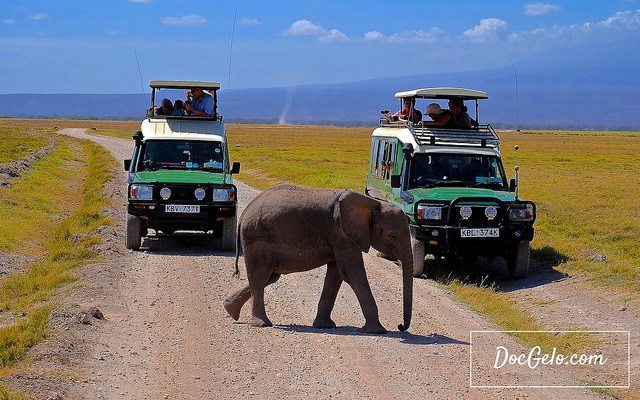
x,y
480,233
181,208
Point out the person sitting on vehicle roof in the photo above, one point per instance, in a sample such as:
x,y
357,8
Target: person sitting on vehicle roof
x,y
166,108
460,115
442,118
408,112
200,103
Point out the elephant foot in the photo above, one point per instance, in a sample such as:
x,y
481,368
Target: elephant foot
x,y
323,323
260,322
373,328
232,309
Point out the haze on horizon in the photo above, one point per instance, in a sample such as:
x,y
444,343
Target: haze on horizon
x,y
67,47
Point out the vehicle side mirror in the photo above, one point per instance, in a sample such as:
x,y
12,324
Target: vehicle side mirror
x,y
127,165
395,181
235,169
512,185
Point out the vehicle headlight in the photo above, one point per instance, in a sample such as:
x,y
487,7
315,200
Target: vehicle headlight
x,y
165,193
141,192
521,213
429,212
220,195
199,193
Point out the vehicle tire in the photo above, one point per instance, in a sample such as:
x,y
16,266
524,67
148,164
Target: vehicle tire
x,y
229,229
134,230
518,261
417,248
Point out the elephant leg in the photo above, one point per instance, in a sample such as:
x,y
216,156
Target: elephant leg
x,y
259,275
332,283
356,277
234,302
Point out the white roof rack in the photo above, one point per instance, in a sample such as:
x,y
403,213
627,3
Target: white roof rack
x,y
443,93
184,85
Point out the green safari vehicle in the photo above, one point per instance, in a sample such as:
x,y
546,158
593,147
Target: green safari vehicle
x,y
452,186
180,177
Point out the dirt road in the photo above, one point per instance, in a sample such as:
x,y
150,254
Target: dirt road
x,y
166,334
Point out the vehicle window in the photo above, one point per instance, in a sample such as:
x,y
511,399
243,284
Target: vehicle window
x,y
430,170
380,160
390,159
374,156
181,154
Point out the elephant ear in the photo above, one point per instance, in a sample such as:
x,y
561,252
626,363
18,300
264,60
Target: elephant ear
x,y
353,213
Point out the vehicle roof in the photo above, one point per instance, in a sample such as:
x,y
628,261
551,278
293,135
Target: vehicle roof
x,y
176,129
184,85
443,93
405,136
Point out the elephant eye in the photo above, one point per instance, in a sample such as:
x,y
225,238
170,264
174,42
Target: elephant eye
x,y
392,236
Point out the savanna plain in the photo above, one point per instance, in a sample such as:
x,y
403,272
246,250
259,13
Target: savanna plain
x,y
57,218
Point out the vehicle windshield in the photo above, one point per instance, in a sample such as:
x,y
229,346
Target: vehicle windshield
x,y
181,154
458,170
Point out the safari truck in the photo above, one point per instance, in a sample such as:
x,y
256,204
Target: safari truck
x,y
180,177
452,186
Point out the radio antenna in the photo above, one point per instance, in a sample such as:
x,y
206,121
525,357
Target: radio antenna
x,y
233,34
517,95
140,73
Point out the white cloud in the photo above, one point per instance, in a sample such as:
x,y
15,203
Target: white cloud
x,y
249,21
141,1
432,35
488,29
373,36
8,21
333,35
38,17
304,27
540,9
186,20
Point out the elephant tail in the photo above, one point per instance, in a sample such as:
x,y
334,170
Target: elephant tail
x,y
236,271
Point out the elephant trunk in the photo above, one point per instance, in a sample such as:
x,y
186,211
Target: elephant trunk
x,y
407,286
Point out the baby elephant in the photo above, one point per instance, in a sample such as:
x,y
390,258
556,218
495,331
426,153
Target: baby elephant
x,y
292,229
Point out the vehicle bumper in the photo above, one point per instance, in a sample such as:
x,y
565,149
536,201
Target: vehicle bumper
x,y
447,240
153,215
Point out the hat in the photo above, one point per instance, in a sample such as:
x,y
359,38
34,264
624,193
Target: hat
x,y
434,108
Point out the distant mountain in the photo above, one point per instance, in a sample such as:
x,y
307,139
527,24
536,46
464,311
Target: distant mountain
x,y
599,96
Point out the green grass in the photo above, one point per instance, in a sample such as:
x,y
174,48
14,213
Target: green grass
x,y
6,394
69,244
61,197
17,142
311,156
33,204
16,339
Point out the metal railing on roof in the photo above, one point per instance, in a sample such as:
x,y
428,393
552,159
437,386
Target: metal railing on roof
x,y
480,136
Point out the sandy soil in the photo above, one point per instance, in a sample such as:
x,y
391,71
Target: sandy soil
x,y
166,334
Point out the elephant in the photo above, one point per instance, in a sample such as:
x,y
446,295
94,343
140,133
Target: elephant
x,y
289,229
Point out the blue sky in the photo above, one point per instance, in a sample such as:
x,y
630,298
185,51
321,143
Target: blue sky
x,y
88,46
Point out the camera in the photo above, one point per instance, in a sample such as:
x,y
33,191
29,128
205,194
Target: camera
x,y
384,112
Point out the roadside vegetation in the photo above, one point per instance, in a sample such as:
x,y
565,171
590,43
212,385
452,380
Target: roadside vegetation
x,y
17,142
48,216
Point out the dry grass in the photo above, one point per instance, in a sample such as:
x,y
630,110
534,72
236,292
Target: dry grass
x,y
49,214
